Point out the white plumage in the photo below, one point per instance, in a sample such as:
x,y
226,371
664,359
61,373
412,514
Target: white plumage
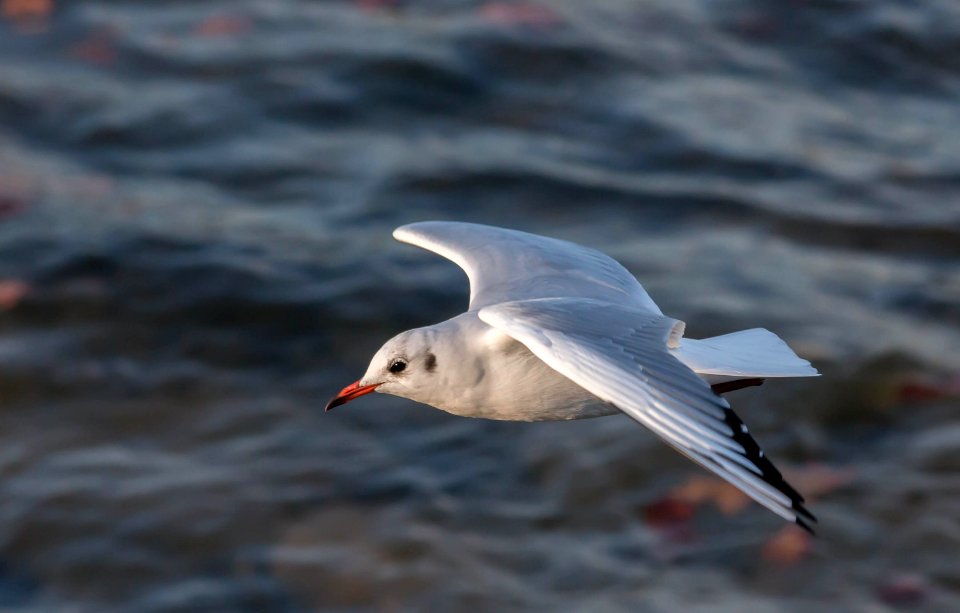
x,y
555,330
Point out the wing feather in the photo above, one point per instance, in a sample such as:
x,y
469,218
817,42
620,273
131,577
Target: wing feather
x,y
620,354
505,265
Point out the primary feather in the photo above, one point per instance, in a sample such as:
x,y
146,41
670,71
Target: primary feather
x,y
620,355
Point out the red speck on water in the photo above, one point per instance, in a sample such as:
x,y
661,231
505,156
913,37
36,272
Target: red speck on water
x,y
99,48
12,292
373,6
667,512
700,489
11,206
223,26
928,389
904,590
519,14
787,547
29,16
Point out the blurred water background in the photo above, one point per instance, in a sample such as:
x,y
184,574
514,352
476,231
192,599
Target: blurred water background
x,y
196,202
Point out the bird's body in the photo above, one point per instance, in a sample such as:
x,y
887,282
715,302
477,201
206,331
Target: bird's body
x,y
497,377
556,331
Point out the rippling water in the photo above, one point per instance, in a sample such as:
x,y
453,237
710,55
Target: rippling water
x,y
195,210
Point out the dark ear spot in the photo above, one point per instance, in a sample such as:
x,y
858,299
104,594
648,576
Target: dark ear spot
x,y
431,362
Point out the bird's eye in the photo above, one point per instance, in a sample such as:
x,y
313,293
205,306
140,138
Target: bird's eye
x,y
398,366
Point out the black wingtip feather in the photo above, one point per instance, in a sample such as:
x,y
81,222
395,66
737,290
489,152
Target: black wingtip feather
x,y
802,510
800,522
769,472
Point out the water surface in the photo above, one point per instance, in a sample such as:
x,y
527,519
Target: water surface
x,y
195,211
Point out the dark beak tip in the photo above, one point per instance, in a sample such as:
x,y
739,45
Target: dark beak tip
x,y
354,390
332,405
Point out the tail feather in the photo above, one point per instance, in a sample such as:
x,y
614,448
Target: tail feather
x,y
755,353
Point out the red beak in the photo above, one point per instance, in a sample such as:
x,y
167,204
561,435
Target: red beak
x,y
354,390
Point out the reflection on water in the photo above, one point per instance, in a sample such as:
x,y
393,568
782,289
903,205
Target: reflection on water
x,y
195,213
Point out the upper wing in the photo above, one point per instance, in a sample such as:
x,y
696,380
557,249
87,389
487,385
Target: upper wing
x,y
505,265
621,355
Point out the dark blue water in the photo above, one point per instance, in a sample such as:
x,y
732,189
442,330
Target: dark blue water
x,y
196,202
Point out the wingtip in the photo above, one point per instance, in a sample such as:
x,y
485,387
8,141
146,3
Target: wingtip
x,y
806,526
803,517
802,511
414,233
402,233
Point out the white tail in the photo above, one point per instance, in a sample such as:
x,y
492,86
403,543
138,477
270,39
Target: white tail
x,y
754,353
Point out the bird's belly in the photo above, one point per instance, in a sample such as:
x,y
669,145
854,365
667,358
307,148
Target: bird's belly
x,y
593,407
524,388
537,409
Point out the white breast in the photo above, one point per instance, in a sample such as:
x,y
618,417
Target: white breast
x,y
508,382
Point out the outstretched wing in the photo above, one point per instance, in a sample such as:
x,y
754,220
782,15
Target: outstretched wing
x,y
621,355
505,265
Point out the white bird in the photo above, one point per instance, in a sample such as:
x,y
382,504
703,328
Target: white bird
x,y
559,331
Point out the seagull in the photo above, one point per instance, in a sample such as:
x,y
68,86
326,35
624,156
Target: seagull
x,y
557,331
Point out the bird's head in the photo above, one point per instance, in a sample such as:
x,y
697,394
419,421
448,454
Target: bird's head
x,y
405,366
